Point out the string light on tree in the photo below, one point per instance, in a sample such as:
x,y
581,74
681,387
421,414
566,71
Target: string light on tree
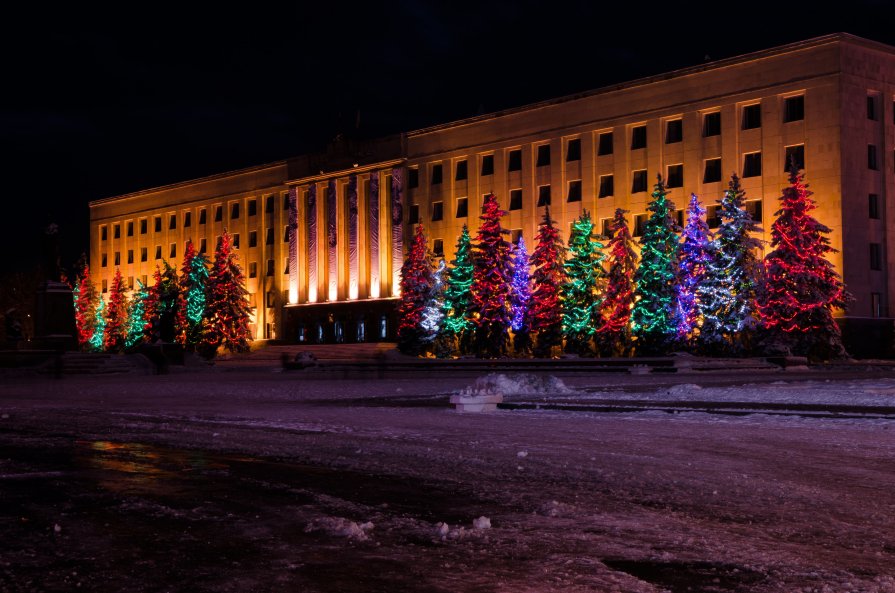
x,y
416,287
548,276
615,331
583,289
695,255
520,300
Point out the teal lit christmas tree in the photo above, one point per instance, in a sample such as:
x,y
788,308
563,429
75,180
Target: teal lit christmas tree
x,y
456,294
136,317
614,333
583,289
653,318
520,300
547,278
193,285
489,310
99,327
228,309
695,255
116,320
800,286
416,287
727,294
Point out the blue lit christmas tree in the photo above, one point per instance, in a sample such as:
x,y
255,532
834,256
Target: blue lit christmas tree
x,y
520,300
695,255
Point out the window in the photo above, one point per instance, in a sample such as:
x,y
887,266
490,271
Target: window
x,y
143,279
675,176
755,210
871,107
712,171
253,238
103,233
462,171
116,231
437,211
462,208
573,150
514,160
130,229
144,256
638,137
130,282
679,217
253,207
271,300
286,202
270,267
713,216
105,286
752,116
515,235
515,199
285,235
413,177
604,146
638,181
488,164
711,124
795,153
268,204
876,257
286,271
438,247
187,219
218,213
173,251
130,256
876,309
253,269
172,222
234,211
873,200
639,224
414,216
203,217
104,260
202,246
158,252
607,186
872,163
144,226
606,227
794,108
236,240
157,224
117,258
268,236
543,195
752,164
436,175
543,155
674,131
574,191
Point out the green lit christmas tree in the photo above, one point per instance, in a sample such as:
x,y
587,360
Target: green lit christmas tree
x,y
455,326
192,296
582,292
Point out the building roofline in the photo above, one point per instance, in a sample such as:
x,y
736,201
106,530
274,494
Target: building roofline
x,y
188,183
757,55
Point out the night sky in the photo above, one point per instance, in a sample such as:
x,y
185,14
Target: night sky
x,y
99,102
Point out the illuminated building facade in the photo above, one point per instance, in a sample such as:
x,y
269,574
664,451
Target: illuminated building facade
x,y
828,102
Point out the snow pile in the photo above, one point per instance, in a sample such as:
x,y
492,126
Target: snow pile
x,y
515,384
481,523
340,527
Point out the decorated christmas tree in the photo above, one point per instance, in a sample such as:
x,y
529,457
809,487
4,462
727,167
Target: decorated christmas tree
x,y
227,309
116,318
548,276
582,292
455,326
192,300
99,327
727,294
137,318
416,287
520,300
614,333
433,313
695,255
164,304
489,311
85,309
653,317
800,287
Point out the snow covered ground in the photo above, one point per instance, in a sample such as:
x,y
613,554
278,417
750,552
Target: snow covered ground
x,y
253,481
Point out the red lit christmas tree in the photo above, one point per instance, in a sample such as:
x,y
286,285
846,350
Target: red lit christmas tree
x,y
115,335
614,335
85,308
547,278
416,289
228,310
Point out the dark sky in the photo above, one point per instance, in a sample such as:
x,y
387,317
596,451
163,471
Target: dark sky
x,y
100,102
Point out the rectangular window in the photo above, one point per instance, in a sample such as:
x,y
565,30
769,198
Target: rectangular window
x,y
104,260
414,216
876,308
158,252
574,191
157,224
203,216
606,227
543,155
144,226
130,256
187,219
253,269
462,171
679,217
752,164
253,238
515,199
234,211
794,109
130,229
543,195
438,247
515,235
640,224
436,174
270,267
752,116
202,246
755,210
871,107
271,300
268,204
675,176
607,186
638,181
286,271
173,251
604,144
144,256
437,211
130,282
674,131
796,153
712,171
143,279
872,163
711,124
103,233
218,213
413,177
874,206
514,160
116,231
253,207
713,216
117,258
876,257
105,286
285,235
462,208
573,150
268,235
236,240
488,164
638,137
172,222
286,202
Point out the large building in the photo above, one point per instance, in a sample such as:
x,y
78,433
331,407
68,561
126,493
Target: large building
x,y
322,236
